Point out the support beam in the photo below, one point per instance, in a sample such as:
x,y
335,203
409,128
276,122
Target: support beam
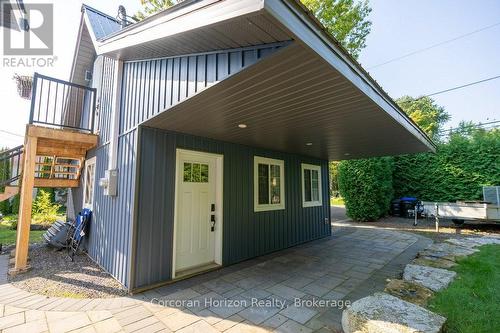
x,y
56,182
24,222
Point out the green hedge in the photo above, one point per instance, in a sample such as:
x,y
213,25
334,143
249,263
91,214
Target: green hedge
x,y
366,186
458,170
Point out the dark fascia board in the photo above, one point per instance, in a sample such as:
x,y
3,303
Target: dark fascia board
x,y
345,63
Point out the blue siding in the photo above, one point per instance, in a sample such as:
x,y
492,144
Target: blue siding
x,y
152,86
148,87
246,233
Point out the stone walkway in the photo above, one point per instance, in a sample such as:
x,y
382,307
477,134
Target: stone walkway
x,y
301,289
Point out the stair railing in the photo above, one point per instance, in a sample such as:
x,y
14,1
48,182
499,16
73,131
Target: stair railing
x,y
11,166
62,104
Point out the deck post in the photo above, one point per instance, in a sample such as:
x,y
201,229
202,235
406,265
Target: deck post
x,y
26,201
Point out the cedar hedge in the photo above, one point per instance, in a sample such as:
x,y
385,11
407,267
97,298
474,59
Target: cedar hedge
x,y
457,171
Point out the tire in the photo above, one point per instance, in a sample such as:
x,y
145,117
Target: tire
x,y
458,221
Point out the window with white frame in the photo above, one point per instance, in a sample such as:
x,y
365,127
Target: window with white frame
x,y
269,184
311,185
88,188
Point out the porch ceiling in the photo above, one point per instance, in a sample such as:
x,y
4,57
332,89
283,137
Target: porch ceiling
x,y
292,98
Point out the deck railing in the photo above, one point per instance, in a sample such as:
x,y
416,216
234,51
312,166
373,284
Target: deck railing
x,y
61,104
10,166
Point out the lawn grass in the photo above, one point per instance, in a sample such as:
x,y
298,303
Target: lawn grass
x,y
8,235
472,302
338,201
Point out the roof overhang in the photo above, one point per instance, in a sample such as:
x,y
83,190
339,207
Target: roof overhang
x,y
311,91
289,100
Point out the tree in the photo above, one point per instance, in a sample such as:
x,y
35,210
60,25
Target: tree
x,y
346,20
151,7
426,113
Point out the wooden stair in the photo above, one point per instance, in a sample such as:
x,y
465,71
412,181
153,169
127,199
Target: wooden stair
x,y
53,157
8,192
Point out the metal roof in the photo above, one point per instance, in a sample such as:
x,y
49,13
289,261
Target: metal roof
x,y
102,24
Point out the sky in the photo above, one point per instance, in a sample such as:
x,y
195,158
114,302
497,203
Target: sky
x,y
399,27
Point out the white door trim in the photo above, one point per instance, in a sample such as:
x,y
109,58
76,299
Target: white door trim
x,y
219,173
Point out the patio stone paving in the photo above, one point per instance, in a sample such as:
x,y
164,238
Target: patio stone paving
x,y
293,290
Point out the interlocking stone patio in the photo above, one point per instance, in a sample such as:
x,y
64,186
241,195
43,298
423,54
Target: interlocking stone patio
x,y
254,296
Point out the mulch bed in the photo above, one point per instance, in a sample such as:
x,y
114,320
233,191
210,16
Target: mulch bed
x,y
53,274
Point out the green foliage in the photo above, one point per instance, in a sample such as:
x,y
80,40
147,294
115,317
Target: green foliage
x,y
366,186
4,174
14,204
150,7
44,210
346,20
457,171
472,301
426,113
334,178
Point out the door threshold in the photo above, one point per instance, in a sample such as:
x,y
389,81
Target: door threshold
x,y
192,271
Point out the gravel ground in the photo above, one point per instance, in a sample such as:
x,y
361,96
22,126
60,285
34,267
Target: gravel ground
x,y
425,227
53,274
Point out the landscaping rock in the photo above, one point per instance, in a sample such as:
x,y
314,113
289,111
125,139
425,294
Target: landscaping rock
x,y
409,291
385,313
433,278
472,242
446,251
433,262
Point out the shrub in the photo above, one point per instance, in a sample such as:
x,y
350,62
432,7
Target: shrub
x,y
366,186
457,171
44,210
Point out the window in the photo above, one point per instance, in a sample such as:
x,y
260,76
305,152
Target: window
x,y
269,184
88,189
195,173
311,185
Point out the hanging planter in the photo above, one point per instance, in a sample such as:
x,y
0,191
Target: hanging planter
x,y
24,84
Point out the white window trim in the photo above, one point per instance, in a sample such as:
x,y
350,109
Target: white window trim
x,y
267,207
311,203
91,161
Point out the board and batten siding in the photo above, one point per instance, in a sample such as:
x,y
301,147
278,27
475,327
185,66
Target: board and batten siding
x,y
148,88
246,234
109,236
153,86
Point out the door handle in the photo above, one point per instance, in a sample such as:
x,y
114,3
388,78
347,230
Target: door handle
x,y
212,221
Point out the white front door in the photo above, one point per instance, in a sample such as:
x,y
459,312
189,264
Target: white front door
x,y
196,210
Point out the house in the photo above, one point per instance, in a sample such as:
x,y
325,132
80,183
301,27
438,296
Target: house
x,y
208,129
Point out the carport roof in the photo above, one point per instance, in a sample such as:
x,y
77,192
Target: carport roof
x,y
312,91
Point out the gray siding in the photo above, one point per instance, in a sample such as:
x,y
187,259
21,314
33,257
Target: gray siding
x,y
110,230
153,86
246,234
148,87
109,240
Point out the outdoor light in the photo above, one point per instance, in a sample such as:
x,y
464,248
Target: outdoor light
x,y
309,144
242,125
347,154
